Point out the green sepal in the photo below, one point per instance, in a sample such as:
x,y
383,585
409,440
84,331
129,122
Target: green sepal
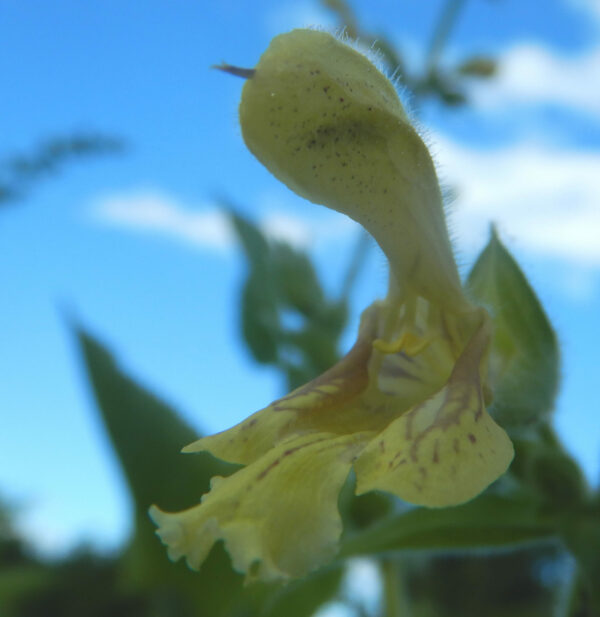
x,y
524,360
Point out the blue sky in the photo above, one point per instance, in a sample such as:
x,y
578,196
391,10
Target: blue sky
x,y
135,247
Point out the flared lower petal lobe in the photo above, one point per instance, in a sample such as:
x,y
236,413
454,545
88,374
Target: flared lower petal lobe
x,y
278,516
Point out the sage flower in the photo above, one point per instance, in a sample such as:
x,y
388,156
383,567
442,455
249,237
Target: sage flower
x,y
406,407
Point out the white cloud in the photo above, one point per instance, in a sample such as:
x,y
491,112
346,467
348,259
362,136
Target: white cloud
x,y
47,538
590,7
157,213
580,284
208,228
533,74
303,14
363,583
317,226
287,228
546,200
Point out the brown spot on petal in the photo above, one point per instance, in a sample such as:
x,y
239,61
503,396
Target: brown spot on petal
x,y
265,471
436,451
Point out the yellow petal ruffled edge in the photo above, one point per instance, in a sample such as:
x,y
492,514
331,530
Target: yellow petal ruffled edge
x,y
278,516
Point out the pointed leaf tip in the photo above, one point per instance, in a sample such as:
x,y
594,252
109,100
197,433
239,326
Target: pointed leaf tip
x,y
524,363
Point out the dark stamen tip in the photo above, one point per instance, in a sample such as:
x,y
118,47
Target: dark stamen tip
x,y
234,70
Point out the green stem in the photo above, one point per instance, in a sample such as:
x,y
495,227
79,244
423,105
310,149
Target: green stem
x,y
442,32
568,595
395,596
581,534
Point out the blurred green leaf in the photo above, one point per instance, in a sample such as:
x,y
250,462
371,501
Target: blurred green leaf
x,y
287,320
19,171
20,582
488,521
82,584
439,84
478,66
524,362
451,96
254,242
444,86
259,314
550,472
147,436
297,281
260,318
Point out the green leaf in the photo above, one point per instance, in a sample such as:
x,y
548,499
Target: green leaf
x,y
488,521
19,582
260,317
253,240
297,282
259,312
147,436
524,362
20,171
287,321
544,467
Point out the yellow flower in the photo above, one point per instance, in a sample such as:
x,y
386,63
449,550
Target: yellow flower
x,y
405,408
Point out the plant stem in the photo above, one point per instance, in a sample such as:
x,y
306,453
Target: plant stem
x,y
395,596
442,32
582,537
